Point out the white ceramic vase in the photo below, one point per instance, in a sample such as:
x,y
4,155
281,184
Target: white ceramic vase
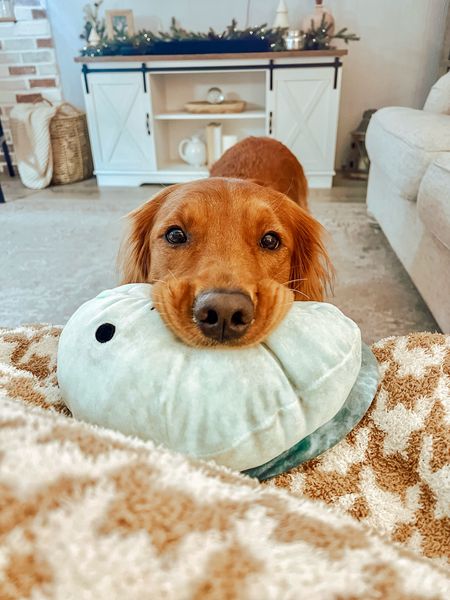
x,y
193,151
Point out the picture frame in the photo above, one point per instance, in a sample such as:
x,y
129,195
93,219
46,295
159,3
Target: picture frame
x,y
119,22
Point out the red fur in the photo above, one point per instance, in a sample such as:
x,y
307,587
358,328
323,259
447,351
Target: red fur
x,y
261,187
267,162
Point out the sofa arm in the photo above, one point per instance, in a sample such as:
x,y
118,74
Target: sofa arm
x,y
404,141
438,100
433,201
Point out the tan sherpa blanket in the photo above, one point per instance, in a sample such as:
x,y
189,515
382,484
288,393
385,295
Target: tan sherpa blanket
x,y
393,470
89,513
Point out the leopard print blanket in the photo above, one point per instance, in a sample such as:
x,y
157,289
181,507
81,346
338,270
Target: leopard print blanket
x,y
89,513
393,470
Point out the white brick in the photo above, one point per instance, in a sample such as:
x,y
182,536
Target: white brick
x,y
13,84
36,28
54,94
47,70
38,56
19,44
7,30
4,71
23,13
32,3
10,58
7,98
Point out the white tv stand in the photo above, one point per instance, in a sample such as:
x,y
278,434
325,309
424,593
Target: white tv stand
x,y
136,120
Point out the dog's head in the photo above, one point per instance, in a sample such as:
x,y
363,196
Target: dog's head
x,y
226,258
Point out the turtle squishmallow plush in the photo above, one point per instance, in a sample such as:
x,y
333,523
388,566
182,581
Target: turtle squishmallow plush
x,y
260,409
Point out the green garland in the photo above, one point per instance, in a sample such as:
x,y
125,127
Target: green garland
x,y
319,38
316,38
230,33
144,40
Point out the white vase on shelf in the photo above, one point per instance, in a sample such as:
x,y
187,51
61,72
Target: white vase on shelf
x,y
193,151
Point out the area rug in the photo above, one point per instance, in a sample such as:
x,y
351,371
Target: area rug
x,y
38,233
393,470
89,513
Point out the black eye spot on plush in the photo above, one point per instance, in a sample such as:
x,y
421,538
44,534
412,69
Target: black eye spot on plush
x,y
105,332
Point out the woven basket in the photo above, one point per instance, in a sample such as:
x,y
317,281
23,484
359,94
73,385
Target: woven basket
x,y
72,158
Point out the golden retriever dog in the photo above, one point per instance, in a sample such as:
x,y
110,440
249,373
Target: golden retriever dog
x,y
228,255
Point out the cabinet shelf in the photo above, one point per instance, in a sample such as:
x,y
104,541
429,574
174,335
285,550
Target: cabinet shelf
x,y
185,116
171,166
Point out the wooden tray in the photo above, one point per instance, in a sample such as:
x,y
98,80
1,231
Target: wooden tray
x,y
228,106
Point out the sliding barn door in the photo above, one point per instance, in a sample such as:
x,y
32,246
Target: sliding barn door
x,y
119,123
305,111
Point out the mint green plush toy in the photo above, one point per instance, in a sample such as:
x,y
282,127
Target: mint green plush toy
x,y
260,409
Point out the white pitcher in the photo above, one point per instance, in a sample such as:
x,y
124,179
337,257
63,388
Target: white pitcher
x,y
193,151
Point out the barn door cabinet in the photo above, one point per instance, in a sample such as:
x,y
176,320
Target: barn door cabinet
x,y
136,118
119,127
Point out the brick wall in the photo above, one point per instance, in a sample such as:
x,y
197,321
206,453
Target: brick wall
x,y
28,69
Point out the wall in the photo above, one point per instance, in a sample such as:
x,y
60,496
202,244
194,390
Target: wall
x,y
395,63
28,70
397,60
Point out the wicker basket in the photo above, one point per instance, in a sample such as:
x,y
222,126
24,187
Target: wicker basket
x,y
72,158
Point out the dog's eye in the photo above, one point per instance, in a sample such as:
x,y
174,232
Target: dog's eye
x,y
270,240
175,235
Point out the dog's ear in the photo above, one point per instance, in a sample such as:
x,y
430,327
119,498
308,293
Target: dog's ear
x,y
311,274
259,182
134,255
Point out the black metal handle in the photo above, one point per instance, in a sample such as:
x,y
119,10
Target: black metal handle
x,y
270,122
147,123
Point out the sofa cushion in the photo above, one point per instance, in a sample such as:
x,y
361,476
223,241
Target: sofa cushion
x,y
438,100
433,201
404,141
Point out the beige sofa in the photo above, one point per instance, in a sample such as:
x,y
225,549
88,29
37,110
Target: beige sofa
x,y
409,191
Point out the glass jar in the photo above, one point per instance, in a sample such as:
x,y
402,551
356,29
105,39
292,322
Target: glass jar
x,y
294,40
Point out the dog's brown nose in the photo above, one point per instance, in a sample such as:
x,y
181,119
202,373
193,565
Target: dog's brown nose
x,y
223,315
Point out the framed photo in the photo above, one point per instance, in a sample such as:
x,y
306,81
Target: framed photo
x,y
119,23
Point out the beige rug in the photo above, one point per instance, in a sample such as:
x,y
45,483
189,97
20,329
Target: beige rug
x,y
89,513
81,225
